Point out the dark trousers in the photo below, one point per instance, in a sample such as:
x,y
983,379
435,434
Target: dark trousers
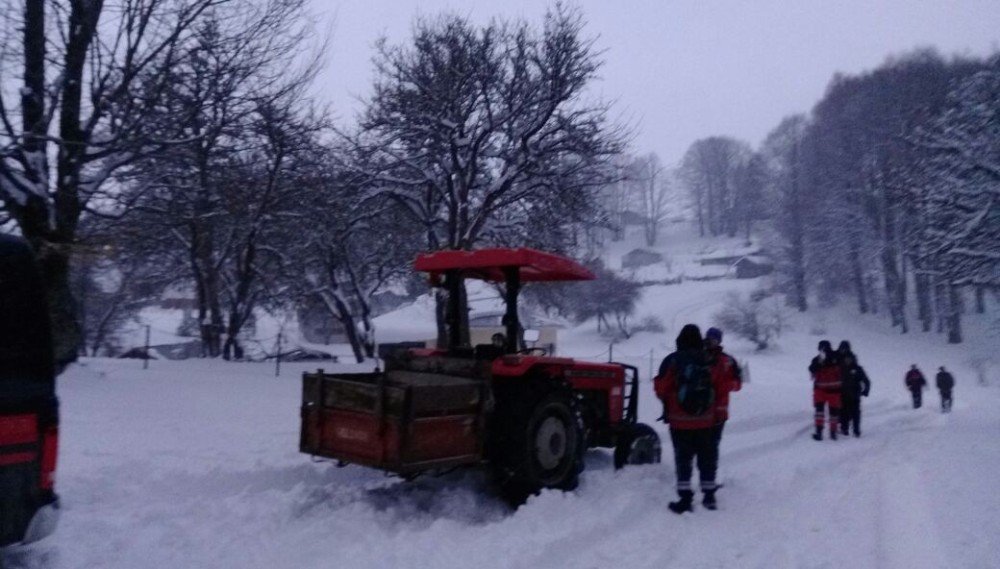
x,y
850,414
945,400
695,445
918,397
717,434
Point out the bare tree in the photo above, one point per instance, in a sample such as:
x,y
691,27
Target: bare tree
x,y
785,158
652,186
250,137
468,123
711,170
81,67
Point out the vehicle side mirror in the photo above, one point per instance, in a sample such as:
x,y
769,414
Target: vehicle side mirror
x,y
532,335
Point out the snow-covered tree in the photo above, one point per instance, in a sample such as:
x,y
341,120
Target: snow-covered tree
x,y
468,124
72,112
714,172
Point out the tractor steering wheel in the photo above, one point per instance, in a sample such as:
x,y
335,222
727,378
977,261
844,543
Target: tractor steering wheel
x,y
529,351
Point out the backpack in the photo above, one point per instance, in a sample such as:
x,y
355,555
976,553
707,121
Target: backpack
x,y
695,391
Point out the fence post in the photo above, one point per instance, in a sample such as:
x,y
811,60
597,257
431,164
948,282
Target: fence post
x,y
145,354
277,358
651,364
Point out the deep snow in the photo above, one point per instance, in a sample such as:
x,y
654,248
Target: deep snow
x,y
195,464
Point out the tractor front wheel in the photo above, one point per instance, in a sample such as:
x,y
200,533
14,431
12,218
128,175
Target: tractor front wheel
x,y
639,445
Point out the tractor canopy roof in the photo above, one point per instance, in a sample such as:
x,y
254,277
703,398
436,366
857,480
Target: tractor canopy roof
x,y
489,265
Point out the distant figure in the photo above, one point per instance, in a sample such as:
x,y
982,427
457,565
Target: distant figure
x,y
915,382
825,371
854,386
687,388
945,383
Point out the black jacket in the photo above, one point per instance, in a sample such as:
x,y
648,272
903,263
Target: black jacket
x,y
854,381
944,381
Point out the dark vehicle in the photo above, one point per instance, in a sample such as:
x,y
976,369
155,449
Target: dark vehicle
x,y
29,410
528,415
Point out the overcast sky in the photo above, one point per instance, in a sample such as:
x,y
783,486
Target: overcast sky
x,y
683,70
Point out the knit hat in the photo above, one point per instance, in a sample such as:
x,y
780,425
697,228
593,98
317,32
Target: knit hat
x,y
714,333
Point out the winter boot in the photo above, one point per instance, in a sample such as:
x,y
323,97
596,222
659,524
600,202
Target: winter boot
x,y
818,435
833,434
684,504
709,500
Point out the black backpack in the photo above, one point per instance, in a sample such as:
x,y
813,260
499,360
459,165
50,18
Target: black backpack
x,y
695,392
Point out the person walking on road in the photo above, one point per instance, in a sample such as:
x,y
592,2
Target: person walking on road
x,y
687,388
945,383
825,372
916,383
854,385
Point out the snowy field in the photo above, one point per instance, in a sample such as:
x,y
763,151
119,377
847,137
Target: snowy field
x,y
194,464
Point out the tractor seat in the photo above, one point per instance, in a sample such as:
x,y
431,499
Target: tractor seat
x,y
488,352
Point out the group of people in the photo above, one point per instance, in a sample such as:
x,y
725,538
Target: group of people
x,y
694,384
944,381
839,383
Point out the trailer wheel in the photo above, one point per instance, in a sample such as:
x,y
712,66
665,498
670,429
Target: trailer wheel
x,y
639,445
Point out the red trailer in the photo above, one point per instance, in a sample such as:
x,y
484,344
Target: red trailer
x,y
527,414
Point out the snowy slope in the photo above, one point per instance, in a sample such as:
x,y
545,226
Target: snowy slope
x,y
195,464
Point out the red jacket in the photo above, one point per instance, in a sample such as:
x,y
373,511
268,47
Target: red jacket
x,y
825,374
725,372
915,380
665,386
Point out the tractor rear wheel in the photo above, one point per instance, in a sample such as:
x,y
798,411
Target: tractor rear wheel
x,y
543,446
639,445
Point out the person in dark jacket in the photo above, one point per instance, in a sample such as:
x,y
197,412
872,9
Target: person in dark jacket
x,y
844,350
854,385
916,382
945,383
825,372
692,433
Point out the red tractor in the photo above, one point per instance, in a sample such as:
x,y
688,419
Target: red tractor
x,y
529,415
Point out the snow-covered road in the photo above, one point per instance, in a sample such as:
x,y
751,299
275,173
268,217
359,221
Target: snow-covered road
x,y
195,464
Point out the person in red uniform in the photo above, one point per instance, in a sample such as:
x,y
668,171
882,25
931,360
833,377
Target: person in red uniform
x,y
825,371
725,366
916,383
687,388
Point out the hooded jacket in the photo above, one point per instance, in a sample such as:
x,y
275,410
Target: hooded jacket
x,y
690,348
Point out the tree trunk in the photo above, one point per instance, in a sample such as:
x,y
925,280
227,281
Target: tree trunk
x,y
857,275
980,300
942,308
954,315
925,310
67,334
